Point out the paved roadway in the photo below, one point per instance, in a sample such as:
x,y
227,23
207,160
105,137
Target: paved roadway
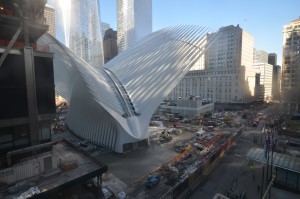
x,y
134,165
237,172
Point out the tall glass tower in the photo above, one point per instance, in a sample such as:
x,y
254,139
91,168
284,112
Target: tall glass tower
x,y
82,29
134,21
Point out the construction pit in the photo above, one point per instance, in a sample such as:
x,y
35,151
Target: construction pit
x,y
184,171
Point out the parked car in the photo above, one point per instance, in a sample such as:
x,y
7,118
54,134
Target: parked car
x,y
152,180
294,143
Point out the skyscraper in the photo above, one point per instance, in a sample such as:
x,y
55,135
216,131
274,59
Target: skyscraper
x,y
260,56
260,62
266,79
49,14
110,47
233,49
291,65
272,59
82,29
134,21
104,28
276,82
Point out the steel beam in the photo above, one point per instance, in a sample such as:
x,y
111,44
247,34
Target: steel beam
x,y
10,45
31,95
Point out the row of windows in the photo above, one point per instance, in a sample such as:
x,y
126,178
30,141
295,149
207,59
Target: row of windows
x,y
204,79
290,62
195,85
203,84
220,66
217,97
207,90
214,73
179,86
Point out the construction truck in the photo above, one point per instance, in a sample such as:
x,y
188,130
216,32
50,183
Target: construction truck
x,y
165,137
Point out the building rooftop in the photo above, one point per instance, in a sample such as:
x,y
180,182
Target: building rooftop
x,y
76,167
279,160
295,20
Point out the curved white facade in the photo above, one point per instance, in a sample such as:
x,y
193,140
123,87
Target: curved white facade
x,y
113,105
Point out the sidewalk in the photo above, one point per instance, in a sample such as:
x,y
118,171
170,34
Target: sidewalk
x,y
237,175
249,181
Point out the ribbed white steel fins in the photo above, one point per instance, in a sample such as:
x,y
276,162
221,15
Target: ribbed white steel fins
x,y
112,105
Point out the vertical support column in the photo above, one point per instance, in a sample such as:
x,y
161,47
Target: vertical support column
x,y
100,178
26,33
25,16
31,95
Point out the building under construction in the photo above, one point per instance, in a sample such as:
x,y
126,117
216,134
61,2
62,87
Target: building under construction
x,y
27,103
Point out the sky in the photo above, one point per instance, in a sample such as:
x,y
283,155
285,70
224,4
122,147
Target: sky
x,y
263,19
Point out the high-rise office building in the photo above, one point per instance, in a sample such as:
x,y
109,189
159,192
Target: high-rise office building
x,y
229,76
276,89
110,47
82,29
234,48
266,79
134,21
104,28
272,59
49,14
260,56
260,62
291,65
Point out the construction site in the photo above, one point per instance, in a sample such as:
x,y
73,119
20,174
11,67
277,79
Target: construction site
x,y
178,158
41,158
197,151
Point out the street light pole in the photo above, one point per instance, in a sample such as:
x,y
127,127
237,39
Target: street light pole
x,y
262,181
263,174
268,155
273,147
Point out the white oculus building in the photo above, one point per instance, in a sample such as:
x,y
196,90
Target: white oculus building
x,y
112,105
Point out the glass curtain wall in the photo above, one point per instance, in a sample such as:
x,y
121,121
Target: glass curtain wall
x,y
82,29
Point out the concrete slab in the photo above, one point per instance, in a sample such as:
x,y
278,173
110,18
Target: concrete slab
x,y
132,166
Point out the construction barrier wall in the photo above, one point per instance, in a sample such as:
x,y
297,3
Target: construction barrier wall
x,y
184,188
29,168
